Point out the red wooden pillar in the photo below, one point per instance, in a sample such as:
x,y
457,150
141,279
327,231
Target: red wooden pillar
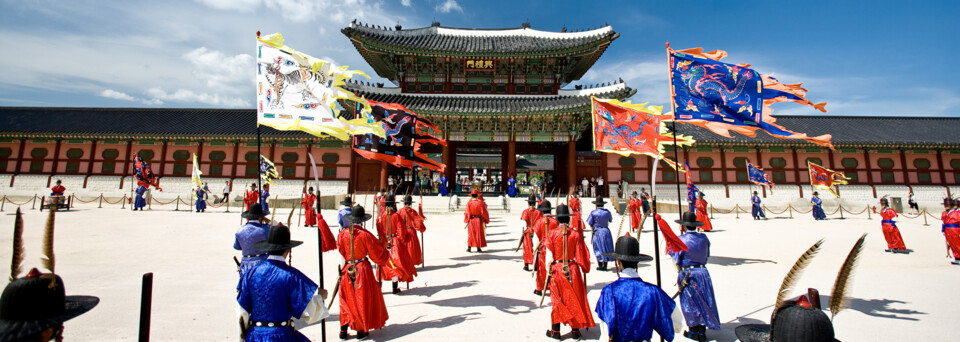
x,y
234,163
723,171
163,159
126,162
56,158
93,154
759,157
796,166
866,160
571,165
512,158
903,166
384,172
20,157
200,154
943,176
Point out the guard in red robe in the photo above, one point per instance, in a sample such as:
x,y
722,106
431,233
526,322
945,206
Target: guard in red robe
x,y
890,231
542,229
635,214
702,215
310,213
575,204
361,302
530,216
476,218
568,292
951,227
251,197
412,223
390,228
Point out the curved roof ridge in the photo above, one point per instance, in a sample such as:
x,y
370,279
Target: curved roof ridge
x,y
481,32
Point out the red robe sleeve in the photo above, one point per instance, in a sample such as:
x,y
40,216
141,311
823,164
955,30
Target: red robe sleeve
x,y
582,255
378,254
486,215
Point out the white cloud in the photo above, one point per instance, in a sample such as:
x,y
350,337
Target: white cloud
x,y
113,94
406,3
217,69
189,96
239,5
448,6
647,76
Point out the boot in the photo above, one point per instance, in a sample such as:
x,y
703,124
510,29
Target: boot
x,y
554,331
526,267
479,250
468,250
396,287
361,335
538,292
956,261
576,334
343,332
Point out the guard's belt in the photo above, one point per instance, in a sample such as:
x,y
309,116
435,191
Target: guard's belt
x,y
357,261
889,221
255,256
951,225
271,324
694,266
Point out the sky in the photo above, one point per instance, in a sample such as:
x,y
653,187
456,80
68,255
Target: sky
x,y
881,57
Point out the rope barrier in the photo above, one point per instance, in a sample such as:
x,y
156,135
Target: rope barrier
x,y
77,198
774,212
124,198
853,213
18,204
154,199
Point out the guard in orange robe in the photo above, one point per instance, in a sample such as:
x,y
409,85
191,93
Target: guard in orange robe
x,y
251,197
476,218
635,213
890,231
702,215
393,235
412,223
530,216
568,292
542,229
310,213
361,302
951,227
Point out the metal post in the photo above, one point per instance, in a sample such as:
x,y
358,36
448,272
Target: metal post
x,y
3,201
868,212
323,322
840,210
790,209
178,204
736,210
100,205
146,299
925,217
34,202
123,202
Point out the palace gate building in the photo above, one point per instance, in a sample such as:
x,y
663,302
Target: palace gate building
x,y
504,102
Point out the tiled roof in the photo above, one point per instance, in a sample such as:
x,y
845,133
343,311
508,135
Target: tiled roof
x,y
493,103
135,122
849,130
517,40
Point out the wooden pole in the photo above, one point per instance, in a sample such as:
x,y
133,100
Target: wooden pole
x,y
146,299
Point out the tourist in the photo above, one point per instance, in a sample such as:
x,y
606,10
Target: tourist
x,y
309,212
696,288
416,183
251,197
585,185
633,207
568,292
392,233
255,230
599,220
265,199
391,184
530,216
912,201
600,191
413,223
890,231
593,187
476,217
817,210
276,299
951,227
443,186
629,308
542,228
512,186
645,201
702,214
201,203
425,185
225,192
361,301
139,201
345,207
757,210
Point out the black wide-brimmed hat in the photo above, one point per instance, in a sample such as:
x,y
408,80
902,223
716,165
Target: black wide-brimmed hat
x,y
408,199
531,200
389,200
948,201
347,201
277,240
563,214
545,207
599,201
628,249
793,323
357,215
32,304
689,220
254,213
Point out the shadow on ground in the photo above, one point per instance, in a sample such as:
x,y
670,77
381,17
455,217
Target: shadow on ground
x,y
730,261
508,305
877,308
427,291
441,267
394,331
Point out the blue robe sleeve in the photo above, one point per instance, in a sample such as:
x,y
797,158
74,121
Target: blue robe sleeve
x,y
591,221
243,294
606,308
663,324
301,292
236,243
608,217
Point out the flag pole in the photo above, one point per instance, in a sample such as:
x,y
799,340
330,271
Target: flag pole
x,y
259,159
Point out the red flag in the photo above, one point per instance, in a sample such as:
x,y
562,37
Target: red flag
x,y
626,128
824,178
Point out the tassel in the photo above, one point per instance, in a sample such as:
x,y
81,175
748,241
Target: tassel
x,y
16,263
843,277
794,273
672,241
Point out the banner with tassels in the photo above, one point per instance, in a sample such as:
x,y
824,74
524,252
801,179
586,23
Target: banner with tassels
x,y
625,128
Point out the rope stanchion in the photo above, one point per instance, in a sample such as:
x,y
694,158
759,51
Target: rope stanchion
x,y
34,202
2,202
736,212
868,212
123,202
840,209
101,200
711,211
790,208
178,204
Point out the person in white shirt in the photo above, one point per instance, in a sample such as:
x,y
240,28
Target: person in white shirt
x,y
226,192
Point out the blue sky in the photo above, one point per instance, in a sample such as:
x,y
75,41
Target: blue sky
x,y
882,57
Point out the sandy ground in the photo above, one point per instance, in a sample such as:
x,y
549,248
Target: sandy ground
x,y
463,297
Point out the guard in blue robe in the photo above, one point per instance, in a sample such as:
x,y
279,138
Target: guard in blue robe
x,y
275,299
630,308
818,213
345,211
201,200
139,202
757,210
599,220
249,235
265,199
512,187
697,300
443,186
